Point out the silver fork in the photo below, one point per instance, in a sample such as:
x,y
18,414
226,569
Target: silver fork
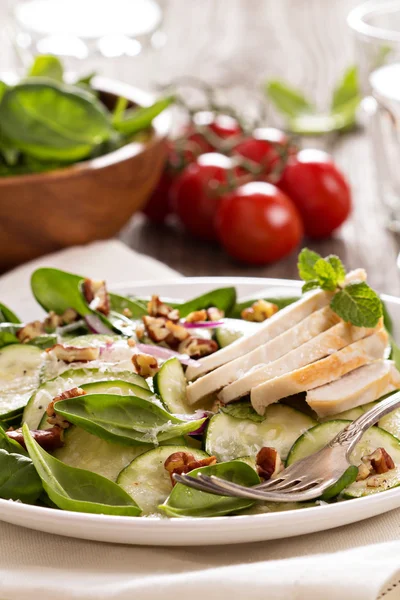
x,y
308,478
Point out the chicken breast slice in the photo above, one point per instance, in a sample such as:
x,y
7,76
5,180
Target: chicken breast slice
x,y
321,372
337,337
359,387
279,323
301,333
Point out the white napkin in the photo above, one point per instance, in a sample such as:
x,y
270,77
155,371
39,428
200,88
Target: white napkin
x,y
353,562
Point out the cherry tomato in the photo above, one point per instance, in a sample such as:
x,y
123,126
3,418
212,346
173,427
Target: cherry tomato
x,y
221,127
265,148
158,206
197,191
319,190
258,224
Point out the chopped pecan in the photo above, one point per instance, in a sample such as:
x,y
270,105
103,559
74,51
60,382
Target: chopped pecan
x,y
157,308
71,354
196,316
52,321
145,365
177,333
127,312
215,314
374,464
183,462
131,342
268,462
198,347
155,328
30,331
259,311
139,332
48,439
53,417
96,295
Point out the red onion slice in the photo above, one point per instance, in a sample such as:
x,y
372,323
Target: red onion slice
x,y
96,325
165,353
202,324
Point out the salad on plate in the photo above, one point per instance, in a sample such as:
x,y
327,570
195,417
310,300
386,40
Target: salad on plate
x,y
109,396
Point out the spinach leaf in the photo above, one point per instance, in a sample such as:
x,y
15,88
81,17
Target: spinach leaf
x,y
125,420
10,445
58,290
242,409
119,303
8,334
53,121
136,119
47,65
222,298
7,315
18,478
280,302
187,502
76,489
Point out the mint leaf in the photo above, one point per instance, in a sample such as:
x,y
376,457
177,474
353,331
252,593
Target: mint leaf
x,y
287,100
310,285
338,267
326,275
306,263
358,304
242,410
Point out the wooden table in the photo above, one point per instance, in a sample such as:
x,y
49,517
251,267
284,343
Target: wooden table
x,y
237,44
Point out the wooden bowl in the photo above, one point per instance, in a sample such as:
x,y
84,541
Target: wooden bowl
x,y
91,200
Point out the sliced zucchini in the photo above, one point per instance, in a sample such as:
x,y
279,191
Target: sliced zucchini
x,y
147,481
72,378
391,423
348,415
20,366
373,484
317,437
170,384
232,330
228,438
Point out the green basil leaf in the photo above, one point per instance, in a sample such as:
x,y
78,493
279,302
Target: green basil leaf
x,y
7,315
242,410
126,420
52,121
76,489
288,100
136,119
222,298
47,65
358,304
187,502
18,478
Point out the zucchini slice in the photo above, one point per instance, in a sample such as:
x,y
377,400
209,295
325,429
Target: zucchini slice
x,y
147,481
72,378
20,368
228,438
373,484
317,437
232,330
170,384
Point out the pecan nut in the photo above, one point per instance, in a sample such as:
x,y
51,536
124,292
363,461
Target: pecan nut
x,y
52,321
53,417
71,354
155,328
268,462
184,462
259,311
145,365
177,333
196,316
48,439
96,295
375,463
30,331
198,347
157,308
215,314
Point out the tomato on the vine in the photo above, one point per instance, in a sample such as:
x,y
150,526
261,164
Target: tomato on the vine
x,y
266,147
196,193
158,206
220,127
319,190
258,224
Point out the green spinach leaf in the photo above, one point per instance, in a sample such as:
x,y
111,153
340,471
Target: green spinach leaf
x,y
18,478
7,315
136,119
52,121
58,290
126,420
47,65
76,489
187,502
222,298
242,410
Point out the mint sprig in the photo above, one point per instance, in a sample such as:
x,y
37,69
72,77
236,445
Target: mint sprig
x,y
355,303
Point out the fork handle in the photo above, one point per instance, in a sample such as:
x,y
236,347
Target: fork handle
x,y
352,434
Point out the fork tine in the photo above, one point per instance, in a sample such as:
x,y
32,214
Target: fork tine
x,y
196,483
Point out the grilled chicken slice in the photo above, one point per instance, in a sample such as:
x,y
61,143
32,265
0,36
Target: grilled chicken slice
x,y
359,387
276,325
321,372
301,333
337,337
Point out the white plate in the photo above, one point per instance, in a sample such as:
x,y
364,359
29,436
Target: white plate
x,y
217,530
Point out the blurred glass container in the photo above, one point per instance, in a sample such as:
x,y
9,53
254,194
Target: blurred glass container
x,y
86,29
376,25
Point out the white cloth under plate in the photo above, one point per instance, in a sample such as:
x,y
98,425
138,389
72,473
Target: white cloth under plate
x,y
357,562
